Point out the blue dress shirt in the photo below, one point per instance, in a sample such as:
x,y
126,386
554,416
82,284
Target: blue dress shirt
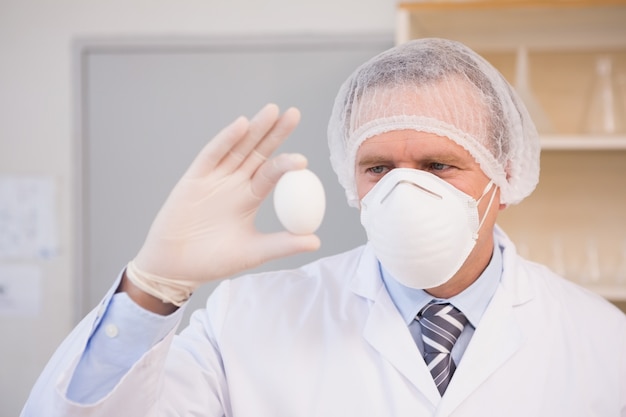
x,y
125,332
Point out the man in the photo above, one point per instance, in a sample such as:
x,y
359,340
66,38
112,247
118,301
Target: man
x,y
435,316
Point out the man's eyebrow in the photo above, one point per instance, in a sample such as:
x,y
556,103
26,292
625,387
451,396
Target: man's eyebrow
x,y
447,158
373,160
444,158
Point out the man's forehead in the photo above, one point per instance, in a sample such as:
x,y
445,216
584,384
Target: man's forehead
x,y
411,137
425,144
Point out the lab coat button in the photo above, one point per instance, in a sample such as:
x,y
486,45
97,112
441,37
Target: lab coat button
x,y
111,330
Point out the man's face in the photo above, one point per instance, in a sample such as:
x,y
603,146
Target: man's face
x,y
449,161
417,150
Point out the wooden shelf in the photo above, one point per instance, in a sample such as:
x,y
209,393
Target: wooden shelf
x,y
583,143
503,4
505,25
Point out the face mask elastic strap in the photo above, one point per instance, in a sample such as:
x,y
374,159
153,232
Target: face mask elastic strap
x,y
487,188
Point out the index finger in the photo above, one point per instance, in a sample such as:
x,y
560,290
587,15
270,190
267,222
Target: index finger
x,y
279,132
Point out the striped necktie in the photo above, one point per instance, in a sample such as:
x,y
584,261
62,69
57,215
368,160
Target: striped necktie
x,y
441,326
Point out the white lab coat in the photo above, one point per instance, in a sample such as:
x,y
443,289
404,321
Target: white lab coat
x,y
326,340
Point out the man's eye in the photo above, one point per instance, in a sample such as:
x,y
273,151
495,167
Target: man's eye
x,y
377,169
437,166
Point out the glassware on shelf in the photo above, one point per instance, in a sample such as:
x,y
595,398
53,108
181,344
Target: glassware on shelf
x,y
620,272
522,86
590,272
558,257
605,108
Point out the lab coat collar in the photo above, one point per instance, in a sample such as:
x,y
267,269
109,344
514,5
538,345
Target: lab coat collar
x,y
499,335
495,341
514,278
386,331
367,281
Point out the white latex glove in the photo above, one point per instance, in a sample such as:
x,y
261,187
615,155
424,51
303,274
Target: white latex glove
x,y
205,230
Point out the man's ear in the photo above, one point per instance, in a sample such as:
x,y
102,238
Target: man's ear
x,y
508,176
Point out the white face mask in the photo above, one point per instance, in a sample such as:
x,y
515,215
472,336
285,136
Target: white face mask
x,y
422,229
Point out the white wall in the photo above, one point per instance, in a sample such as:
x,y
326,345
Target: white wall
x,y
36,117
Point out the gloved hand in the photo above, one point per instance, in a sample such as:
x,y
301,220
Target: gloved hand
x,y
205,230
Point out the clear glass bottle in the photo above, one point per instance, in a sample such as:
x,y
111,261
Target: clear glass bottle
x,y
620,272
522,86
605,110
590,272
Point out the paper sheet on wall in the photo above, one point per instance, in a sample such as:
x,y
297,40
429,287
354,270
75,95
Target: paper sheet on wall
x,y
27,217
20,290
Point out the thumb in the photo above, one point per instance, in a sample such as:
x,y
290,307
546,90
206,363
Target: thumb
x,y
283,244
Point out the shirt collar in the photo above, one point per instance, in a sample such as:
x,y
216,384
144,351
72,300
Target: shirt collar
x,y
473,301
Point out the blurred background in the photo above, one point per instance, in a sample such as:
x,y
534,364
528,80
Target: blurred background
x,y
104,103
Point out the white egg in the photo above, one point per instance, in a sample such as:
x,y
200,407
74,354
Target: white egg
x,y
300,201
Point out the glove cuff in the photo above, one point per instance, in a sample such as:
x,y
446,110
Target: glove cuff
x,y
165,289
